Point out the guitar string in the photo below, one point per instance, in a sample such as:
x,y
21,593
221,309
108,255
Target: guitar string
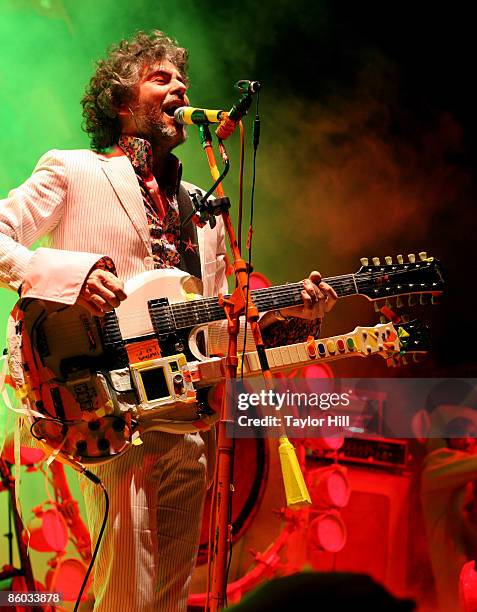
x,y
277,295
181,311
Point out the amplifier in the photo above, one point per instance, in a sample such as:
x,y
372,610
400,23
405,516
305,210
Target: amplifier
x,y
387,453
379,452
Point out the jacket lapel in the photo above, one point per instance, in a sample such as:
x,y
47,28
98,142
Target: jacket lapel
x,y
122,177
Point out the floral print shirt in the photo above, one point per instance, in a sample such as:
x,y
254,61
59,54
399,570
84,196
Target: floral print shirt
x,y
162,209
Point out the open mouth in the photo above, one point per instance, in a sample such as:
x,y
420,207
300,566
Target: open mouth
x,y
170,110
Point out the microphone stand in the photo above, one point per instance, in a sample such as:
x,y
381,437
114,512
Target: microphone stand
x,y
238,303
25,565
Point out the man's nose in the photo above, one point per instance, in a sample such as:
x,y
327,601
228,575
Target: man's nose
x,y
178,87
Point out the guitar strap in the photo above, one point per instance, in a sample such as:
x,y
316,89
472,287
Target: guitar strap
x,y
189,243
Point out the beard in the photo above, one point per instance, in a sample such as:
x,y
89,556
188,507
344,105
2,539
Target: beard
x,y
156,130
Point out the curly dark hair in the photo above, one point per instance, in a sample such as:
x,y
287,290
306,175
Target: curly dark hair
x,y
116,80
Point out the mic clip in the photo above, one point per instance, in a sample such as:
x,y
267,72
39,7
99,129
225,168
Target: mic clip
x,y
205,210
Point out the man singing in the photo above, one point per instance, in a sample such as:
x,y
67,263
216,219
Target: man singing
x,y
111,213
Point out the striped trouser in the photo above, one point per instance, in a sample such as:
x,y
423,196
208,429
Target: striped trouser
x,y
149,548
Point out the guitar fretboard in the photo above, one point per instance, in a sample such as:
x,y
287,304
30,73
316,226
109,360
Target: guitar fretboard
x,y
206,310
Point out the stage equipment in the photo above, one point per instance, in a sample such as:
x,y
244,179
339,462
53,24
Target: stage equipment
x,y
48,529
24,574
83,377
368,534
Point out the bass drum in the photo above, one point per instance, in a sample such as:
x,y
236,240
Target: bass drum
x,y
256,516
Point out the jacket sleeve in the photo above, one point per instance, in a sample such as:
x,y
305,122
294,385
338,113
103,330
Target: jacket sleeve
x,y
28,213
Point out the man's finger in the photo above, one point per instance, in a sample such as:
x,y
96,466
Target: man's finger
x,y
104,293
312,290
116,285
315,277
328,289
331,296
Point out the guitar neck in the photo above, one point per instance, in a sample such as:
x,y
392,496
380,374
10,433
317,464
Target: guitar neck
x,y
207,310
381,340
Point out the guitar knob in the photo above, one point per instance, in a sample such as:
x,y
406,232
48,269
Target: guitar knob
x,y
400,259
389,260
119,425
103,444
81,447
364,261
423,255
94,425
412,258
376,261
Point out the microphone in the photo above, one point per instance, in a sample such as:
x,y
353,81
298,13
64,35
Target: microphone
x,y
229,122
251,87
188,115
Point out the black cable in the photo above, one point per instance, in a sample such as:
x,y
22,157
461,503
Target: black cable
x,y
97,481
256,139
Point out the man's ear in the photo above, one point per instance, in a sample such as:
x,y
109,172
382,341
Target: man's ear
x,y
421,426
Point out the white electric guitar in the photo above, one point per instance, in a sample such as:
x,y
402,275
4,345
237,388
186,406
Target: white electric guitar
x,y
90,384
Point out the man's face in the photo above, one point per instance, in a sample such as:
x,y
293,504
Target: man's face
x,y
161,90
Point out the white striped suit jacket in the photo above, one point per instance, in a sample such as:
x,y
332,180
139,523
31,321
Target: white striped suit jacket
x,y
89,205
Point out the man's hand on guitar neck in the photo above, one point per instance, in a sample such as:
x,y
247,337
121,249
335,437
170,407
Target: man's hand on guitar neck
x,y
318,298
101,292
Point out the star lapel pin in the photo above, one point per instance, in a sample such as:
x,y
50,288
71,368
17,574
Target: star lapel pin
x,y
190,246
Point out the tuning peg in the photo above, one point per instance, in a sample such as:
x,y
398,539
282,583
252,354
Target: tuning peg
x,y
389,260
412,300
388,304
376,261
412,258
377,306
382,319
364,261
400,259
423,255
434,299
423,299
399,303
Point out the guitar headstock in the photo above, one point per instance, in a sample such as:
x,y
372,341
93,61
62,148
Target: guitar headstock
x,y
422,276
414,337
392,340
